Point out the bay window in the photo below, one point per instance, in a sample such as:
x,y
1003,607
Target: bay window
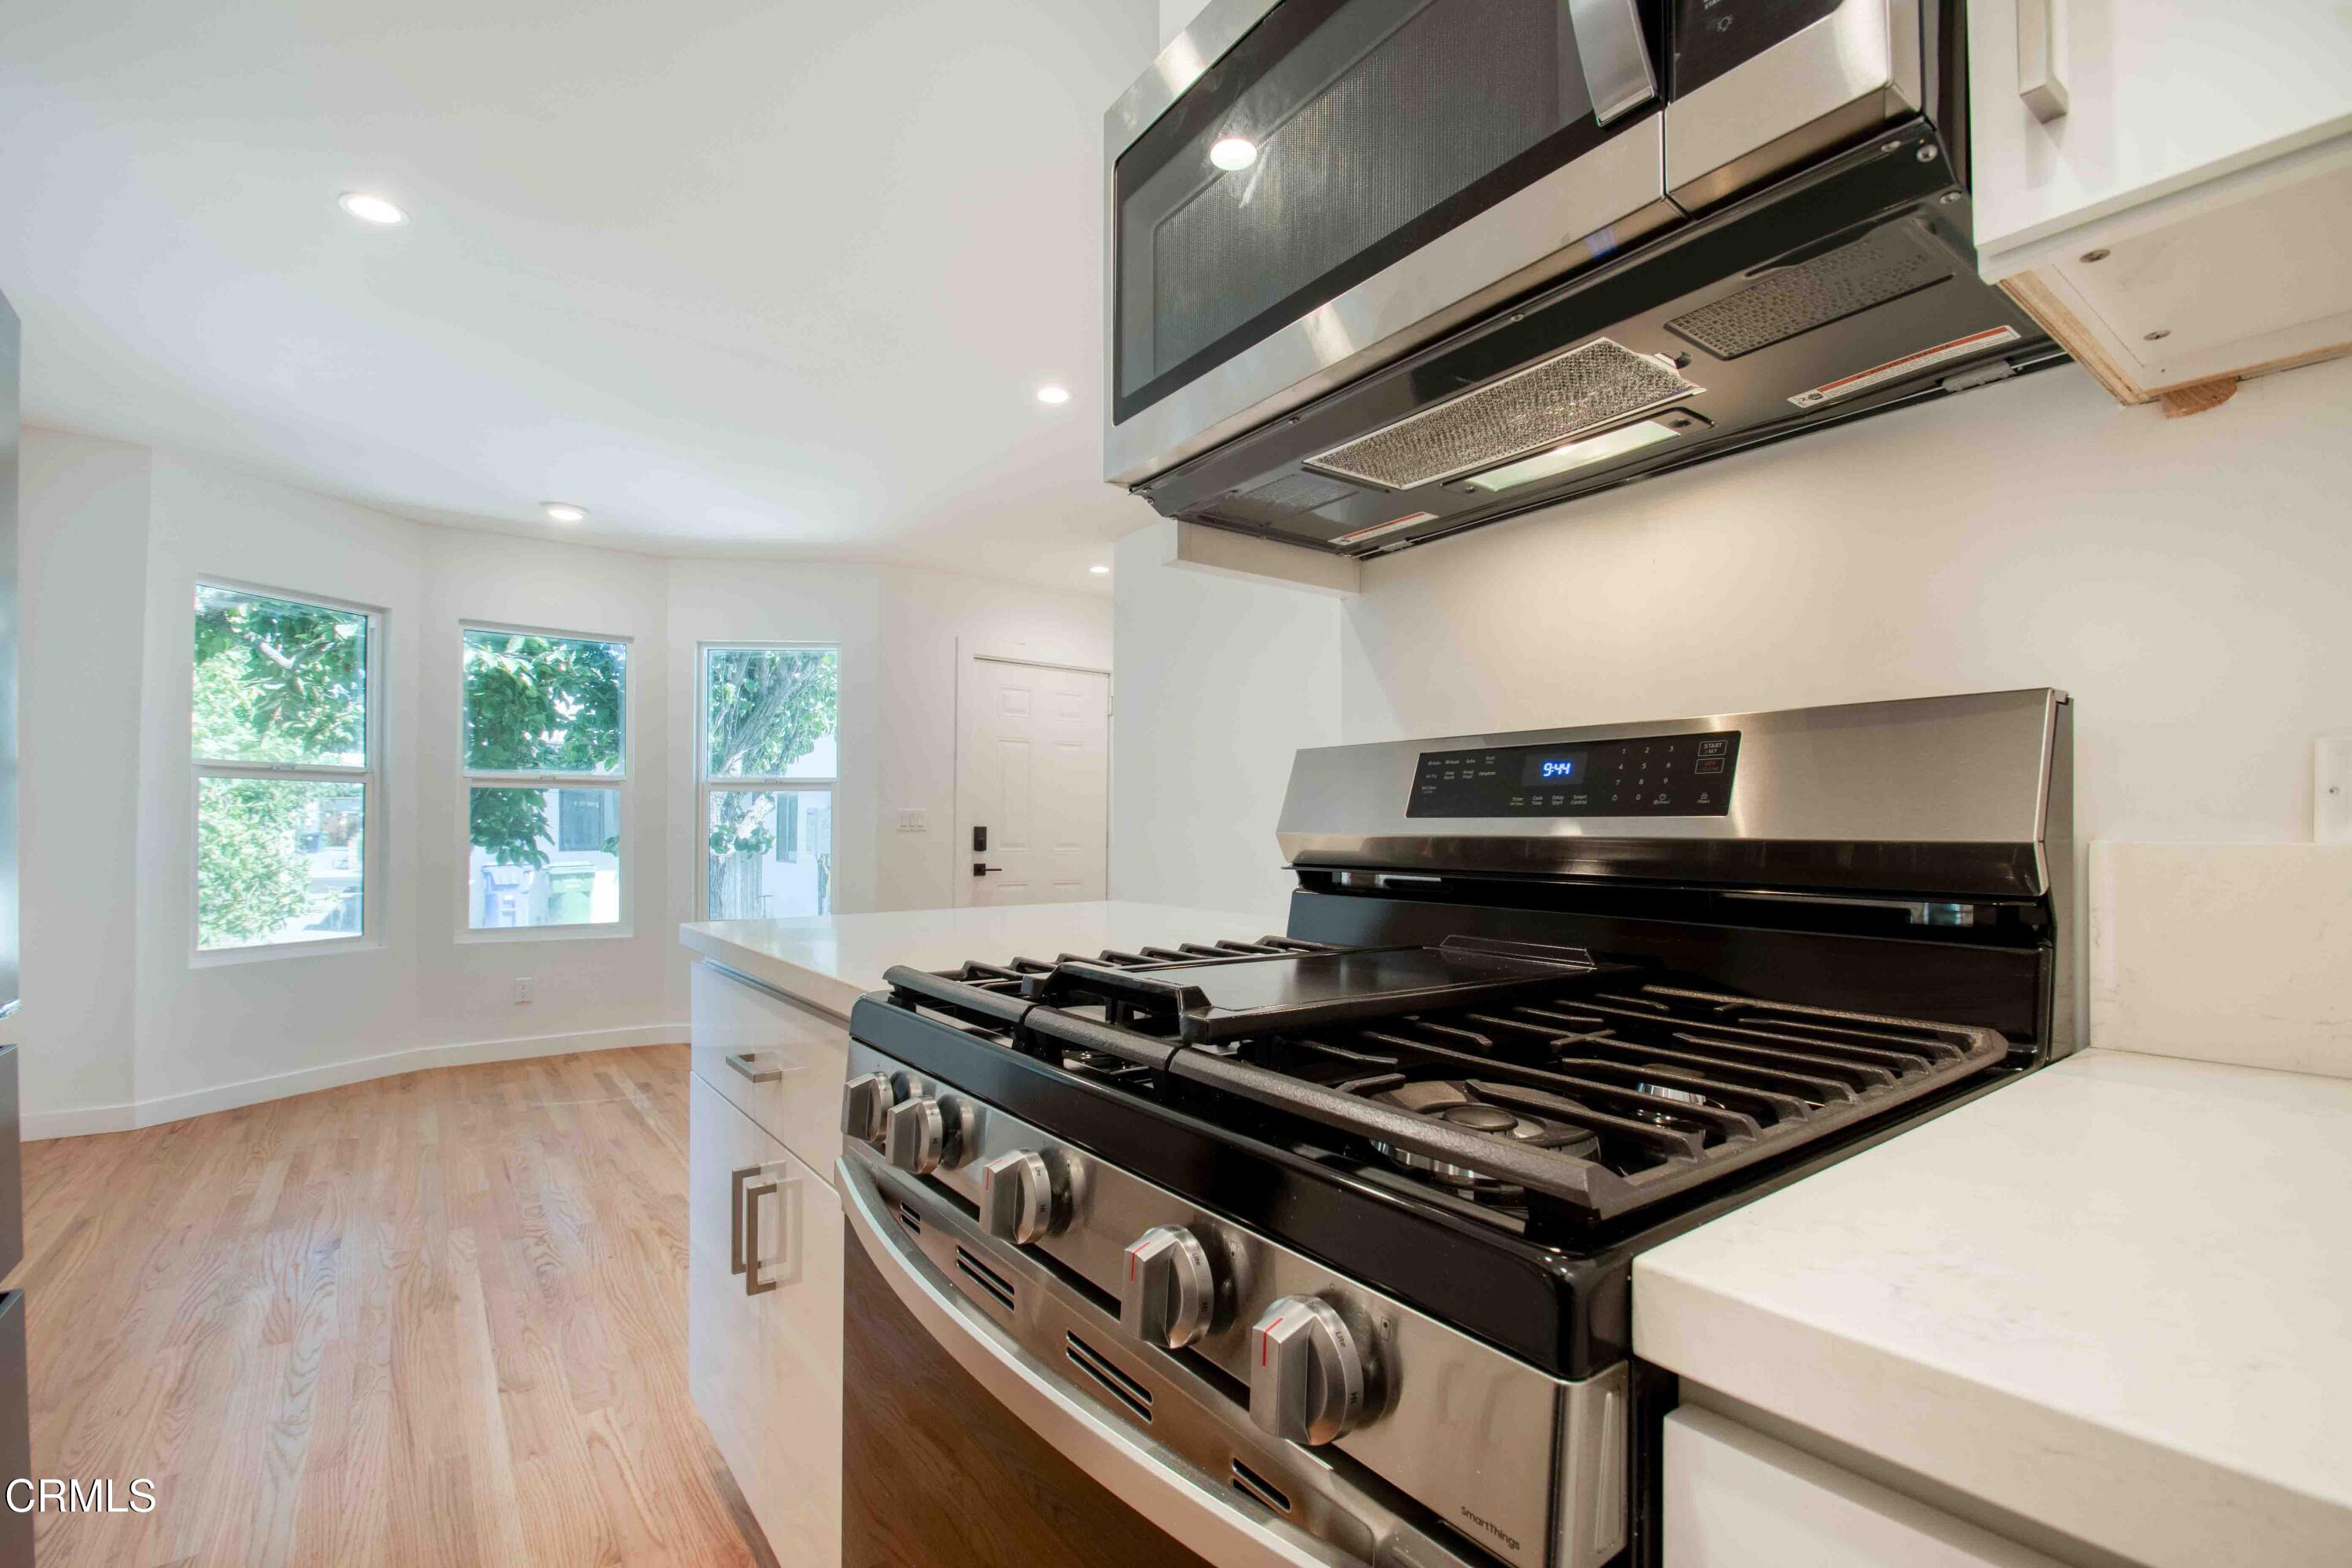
x,y
284,759
546,775
769,767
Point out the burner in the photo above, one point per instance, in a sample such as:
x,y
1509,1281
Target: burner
x,y
1458,1105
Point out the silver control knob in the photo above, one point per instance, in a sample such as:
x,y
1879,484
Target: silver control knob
x,y
865,1103
1023,1197
922,1134
1309,1377
1169,1295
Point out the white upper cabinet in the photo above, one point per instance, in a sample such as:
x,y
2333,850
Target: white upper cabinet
x,y
2167,184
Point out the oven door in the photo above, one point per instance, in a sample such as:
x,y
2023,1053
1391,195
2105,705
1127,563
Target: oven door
x,y
993,1415
1758,87
1347,179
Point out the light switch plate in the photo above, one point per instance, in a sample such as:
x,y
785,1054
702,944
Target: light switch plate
x,y
2331,790
912,821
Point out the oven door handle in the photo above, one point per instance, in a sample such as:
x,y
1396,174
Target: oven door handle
x,y
1126,1463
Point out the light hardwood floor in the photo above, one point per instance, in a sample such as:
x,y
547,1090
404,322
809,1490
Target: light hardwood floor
x,y
435,1319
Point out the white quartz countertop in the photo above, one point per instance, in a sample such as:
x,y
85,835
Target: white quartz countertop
x,y
830,961
2113,1298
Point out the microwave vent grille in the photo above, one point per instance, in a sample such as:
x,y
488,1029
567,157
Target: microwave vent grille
x,y
1285,499
1552,401
1883,265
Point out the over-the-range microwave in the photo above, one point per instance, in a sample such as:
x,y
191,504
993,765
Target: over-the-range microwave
x,y
1379,270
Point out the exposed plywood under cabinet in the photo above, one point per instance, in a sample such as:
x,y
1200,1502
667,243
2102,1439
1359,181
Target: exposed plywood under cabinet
x,y
2241,277
2167,184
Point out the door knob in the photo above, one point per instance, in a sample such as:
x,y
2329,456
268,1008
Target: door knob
x,y
980,871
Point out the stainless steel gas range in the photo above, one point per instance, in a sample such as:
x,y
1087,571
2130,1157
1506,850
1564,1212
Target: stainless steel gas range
x,y
1316,1248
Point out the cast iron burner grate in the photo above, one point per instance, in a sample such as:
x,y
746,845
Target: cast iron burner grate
x,y
1548,1082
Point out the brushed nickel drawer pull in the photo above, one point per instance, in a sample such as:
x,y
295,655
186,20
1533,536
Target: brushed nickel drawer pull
x,y
737,1262
742,1062
752,1284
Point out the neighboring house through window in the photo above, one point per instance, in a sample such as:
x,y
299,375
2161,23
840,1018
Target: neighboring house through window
x,y
770,721
546,763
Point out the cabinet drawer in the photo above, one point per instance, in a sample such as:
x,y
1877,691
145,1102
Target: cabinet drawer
x,y
763,1325
1735,1498
779,1063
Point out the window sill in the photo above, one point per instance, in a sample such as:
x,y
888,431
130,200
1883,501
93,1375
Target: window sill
x,y
268,952
492,936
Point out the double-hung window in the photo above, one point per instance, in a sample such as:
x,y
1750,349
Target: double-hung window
x,y
770,761
546,764
281,732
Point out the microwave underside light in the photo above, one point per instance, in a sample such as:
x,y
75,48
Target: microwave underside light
x,y
1575,455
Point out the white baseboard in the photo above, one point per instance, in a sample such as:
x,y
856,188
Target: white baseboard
x,y
134,1115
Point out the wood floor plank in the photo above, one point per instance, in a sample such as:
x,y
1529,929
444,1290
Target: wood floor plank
x,y
436,1319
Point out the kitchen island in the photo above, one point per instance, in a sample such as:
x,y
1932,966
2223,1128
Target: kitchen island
x,y
764,1276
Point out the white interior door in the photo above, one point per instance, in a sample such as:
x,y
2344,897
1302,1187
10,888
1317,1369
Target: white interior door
x,y
1033,781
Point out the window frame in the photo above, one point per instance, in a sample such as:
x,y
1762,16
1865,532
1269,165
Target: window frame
x,y
708,785
368,775
622,782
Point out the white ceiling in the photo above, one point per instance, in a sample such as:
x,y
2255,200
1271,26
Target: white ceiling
x,y
735,275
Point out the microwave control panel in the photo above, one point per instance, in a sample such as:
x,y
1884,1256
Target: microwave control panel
x,y
1651,776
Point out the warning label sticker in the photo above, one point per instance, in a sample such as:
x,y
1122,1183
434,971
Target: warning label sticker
x,y
1389,527
1847,385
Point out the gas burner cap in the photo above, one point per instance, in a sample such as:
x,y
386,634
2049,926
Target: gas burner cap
x,y
1480,1118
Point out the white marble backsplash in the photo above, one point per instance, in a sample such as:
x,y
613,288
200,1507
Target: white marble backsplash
x,y
2224,952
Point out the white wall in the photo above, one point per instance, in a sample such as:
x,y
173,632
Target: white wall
x,y
900,632
2189,581
122,1026
205,1026
81,569
583,981
1219,681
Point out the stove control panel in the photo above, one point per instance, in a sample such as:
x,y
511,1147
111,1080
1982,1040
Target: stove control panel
x,y
1647,775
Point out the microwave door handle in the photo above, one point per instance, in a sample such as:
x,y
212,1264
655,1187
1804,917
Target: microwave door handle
x,y
1095,1441
1614,55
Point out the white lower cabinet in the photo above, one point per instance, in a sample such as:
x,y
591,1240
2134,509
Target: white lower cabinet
x,y
763,1325
1738,1499
781,1061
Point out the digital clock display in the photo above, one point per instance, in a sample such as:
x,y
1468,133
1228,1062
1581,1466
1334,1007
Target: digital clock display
x,y
1553,768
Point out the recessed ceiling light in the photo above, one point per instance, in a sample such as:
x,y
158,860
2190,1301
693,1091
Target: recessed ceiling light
x,y
564,511
1053,393
1099,571
1231,153
371,209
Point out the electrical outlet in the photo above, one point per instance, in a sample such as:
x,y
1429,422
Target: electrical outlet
x,y
522,989
913,821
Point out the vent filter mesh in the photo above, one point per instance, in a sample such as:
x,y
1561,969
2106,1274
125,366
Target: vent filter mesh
x,y
1549,402
1881,266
